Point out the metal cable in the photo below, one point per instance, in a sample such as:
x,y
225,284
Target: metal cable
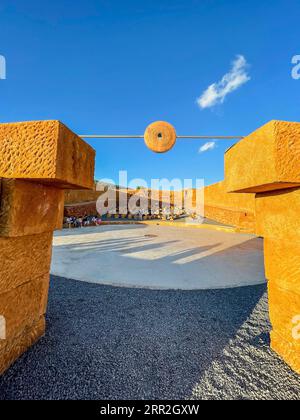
x,y
117,136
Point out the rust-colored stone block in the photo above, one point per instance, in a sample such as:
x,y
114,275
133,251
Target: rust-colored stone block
x,y
287,350
266,160
28,208
244,220
37,161
216,195
267,163
229,208
16,346
23,306
81,210
282,262
47,152
277,214
284,309
23,259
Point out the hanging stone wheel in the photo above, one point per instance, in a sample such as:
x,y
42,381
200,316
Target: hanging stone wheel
x,y
160,137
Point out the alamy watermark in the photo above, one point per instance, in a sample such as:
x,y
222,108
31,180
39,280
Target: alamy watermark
x,y
296,68
2,328
2,67
296,329
161,196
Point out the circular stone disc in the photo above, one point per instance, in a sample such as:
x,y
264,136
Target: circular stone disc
x,y
160,137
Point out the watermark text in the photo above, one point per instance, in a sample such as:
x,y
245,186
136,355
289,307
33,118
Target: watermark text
x,y
296,68
162,196
296,329
2,67
2,328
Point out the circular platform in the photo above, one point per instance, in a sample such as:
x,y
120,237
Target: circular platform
x,y
158,257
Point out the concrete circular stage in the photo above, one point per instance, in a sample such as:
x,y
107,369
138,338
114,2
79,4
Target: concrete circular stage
x,y
159,257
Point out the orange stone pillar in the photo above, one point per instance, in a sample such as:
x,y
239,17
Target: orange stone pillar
x,y
267,163
38,161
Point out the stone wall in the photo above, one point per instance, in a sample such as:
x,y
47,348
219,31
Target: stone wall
x,y
230,208
38,161
83,203
267,163
81,196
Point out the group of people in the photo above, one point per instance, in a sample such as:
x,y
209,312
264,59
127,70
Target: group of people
x,y
79,222
86,221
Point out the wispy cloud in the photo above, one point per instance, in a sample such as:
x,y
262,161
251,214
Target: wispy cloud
x,y
207,146
217,92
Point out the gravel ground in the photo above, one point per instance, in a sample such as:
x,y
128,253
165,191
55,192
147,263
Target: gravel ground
x,y
115,343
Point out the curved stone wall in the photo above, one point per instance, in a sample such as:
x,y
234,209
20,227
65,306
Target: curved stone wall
x,y
230,208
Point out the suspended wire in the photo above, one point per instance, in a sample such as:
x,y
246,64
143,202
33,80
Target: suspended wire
x,y
117,136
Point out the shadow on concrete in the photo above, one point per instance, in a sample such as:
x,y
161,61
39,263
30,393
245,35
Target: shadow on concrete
x,y
132,246
139,261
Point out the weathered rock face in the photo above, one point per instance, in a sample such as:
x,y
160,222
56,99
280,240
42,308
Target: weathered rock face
x,y
230,208
46,151
278,214
29,208
14,347
38,160
278,221
267,162
81,196
23,258
23,306
284,306
282,262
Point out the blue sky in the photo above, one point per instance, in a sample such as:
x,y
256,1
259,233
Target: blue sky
x,y
114,66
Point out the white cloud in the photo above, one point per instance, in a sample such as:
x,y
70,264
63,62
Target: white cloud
x,y
217,92
207,146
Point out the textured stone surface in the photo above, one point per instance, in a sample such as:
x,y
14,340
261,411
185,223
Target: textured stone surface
x,y
277,214
16,346
81,210
160,137
266,160
284,308
81,196
23,306
38,160
217,195
29,208
244,220
277,219
267,163
46,151
23,259
230,208
282,262
289,352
